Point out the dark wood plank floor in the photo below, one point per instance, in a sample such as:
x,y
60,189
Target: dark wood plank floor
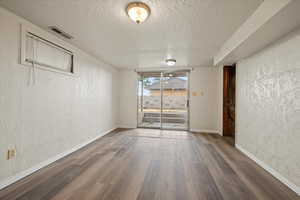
x,y
152,164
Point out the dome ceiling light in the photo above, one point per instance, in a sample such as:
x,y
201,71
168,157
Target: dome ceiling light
x,y
171,62
138,11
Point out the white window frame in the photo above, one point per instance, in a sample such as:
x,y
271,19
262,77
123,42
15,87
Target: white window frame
x,y
45,37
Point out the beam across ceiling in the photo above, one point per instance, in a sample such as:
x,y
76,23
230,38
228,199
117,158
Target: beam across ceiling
x,y
262,20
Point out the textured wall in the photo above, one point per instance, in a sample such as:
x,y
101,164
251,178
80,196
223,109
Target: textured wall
x,y
128,98
204,106
58,112
268,106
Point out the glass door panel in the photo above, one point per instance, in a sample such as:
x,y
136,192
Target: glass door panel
x,y
175,100
149,100
163,100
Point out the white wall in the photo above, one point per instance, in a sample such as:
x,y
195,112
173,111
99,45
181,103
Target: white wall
x,y
268,108
56,114
128,99
204,110
220,98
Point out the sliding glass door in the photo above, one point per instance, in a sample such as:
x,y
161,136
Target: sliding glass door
x,y
149,100
163,100
175,102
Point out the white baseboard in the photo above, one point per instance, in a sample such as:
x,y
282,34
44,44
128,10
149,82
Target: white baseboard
x,y
204,131
191,130
8,181
127,126
277,175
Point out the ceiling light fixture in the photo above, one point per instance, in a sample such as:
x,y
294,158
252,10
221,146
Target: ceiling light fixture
x,y
138,11
171,62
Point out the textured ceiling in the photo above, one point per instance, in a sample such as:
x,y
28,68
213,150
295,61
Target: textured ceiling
x,y
190,31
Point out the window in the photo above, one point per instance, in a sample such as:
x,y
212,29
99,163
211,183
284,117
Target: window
x,y
46,54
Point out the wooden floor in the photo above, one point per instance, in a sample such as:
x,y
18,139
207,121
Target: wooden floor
x,y
152,164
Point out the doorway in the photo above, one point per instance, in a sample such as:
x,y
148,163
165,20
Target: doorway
x,y
229,84
163,100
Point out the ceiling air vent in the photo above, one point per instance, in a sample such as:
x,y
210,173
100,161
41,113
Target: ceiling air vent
x,y
60,32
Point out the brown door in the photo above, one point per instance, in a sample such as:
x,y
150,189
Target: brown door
x,y
229,101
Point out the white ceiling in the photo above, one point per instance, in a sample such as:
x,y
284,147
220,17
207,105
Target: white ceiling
x,y
191,31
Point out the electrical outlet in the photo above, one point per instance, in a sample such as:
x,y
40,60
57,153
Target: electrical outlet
x,y
11,153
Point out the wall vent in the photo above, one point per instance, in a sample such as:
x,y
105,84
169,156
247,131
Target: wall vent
x,y
61,32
